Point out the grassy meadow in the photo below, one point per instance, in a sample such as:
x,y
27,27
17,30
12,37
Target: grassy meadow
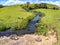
x,y
51,18
14,17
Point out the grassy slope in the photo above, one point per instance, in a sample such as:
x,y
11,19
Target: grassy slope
x,y
51,6
13,16
9,15
51,17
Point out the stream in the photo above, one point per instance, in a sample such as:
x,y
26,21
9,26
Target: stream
x,y
30,28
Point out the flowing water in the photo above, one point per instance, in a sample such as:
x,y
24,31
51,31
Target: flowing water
x,y
30,28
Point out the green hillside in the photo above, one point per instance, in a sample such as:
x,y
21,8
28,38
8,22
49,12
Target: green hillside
x,y
51,6
18,16
52,17
39,6
14,17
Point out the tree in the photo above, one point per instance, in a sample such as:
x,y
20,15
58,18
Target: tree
x,y
28,4
54,8
43,5
1,6
30,8
36,6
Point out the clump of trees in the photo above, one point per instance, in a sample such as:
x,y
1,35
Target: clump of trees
x,y
43,5
28,6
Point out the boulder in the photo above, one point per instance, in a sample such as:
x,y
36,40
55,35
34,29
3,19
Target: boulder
x,y
14,37
38,39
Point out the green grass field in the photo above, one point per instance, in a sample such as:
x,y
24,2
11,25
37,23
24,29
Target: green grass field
x,y
14,17
17,18
51,17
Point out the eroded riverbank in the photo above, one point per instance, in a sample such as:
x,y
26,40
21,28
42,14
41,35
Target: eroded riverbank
x,y
29,39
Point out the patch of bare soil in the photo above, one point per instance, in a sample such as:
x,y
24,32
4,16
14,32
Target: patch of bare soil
x,y
28,39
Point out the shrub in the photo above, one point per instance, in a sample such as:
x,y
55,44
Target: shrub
x,y
2,27
41,29
54,8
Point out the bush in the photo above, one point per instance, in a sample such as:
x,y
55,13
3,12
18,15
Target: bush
x,y
41,29
54,8
2,27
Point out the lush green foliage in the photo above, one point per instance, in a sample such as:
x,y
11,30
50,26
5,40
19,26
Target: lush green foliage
x,y
29,6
